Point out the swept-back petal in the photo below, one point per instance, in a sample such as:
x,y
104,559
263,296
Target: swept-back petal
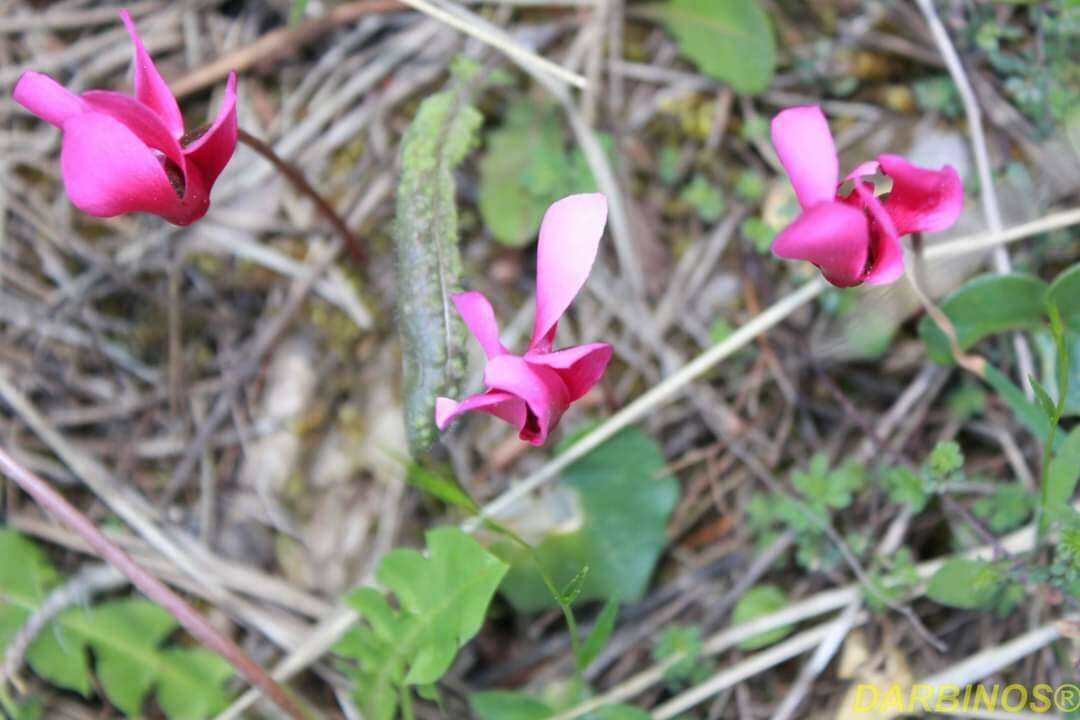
x,y
46,98
886,258
502,405
541,388
834,236
569,239
150,87
870,167
805,146
480,319
579,367
922,200
211,151
108,171
139,119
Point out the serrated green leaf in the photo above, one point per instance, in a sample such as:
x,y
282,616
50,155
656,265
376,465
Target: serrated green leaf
x,y
429,261
599,635
759,601
945,459
505,705
905,486
731,40
985,306
443,598
624,498
966,584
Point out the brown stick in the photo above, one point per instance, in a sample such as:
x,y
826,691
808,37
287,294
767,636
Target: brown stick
x,y
352,243
154,589
276,43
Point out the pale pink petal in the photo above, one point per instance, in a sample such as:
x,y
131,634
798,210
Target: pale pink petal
x,y
870,167
805,146
494,402
541,388
886,259
109,171
150,87
46,98
139,119
834,236
211,151
569,239
922,200
580,367
480,319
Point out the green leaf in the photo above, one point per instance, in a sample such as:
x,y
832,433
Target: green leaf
x,y
1027,413
125,636
731,40
1046,403
599,635
823,488
622,712
1064,292
523,170
704,197
442,600
967,584
1006,509
683,640
569,593
987,305
504,705
906,487
623,499
945,459
446,489
759,601
1064,471
429,262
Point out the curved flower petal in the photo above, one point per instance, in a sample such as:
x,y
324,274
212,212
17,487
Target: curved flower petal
x,y
834,236
211,151
46,98
150,87
886,255
579,367
476,311
870,167
922,200
108,170
541,388
569,239
502,405
139,119
805,146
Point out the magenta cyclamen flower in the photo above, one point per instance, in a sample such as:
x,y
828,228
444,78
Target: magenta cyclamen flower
x,y
532,391
854,238
122,154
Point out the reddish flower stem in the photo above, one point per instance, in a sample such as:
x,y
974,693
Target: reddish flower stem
x,y
294,176
154,589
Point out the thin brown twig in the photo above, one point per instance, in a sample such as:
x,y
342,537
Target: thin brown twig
x,y
276,43
153,588
352,242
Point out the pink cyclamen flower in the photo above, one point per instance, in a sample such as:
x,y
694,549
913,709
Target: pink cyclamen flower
x,y
854,238
124,154
532,391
